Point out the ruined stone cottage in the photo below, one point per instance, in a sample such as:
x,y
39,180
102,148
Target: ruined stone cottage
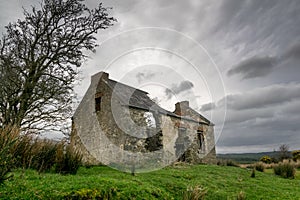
x,y
118,125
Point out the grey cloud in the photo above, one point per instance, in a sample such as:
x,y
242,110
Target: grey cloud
x,y
274,130
248,116
264,97
293,52
263,117
293,108
207,107
254,67
142,76
176,89
257,136
262,66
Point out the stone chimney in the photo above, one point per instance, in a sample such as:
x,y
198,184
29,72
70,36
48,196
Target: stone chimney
x,y
181,107
100,76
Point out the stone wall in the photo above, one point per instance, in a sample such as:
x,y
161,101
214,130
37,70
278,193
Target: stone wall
x,y
124,130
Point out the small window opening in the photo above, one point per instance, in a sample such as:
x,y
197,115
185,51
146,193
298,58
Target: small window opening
x,y
201,140
150,120
98,104
181,144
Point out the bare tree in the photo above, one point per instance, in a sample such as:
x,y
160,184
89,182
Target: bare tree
x,y
284,152
39,58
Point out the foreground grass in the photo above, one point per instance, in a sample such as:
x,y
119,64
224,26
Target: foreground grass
x,y
169,183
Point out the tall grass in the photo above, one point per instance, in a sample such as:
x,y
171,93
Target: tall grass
x,y
27,151
68,160
8,138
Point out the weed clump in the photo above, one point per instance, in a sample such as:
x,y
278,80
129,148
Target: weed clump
x,y
241,196
194,193
86,194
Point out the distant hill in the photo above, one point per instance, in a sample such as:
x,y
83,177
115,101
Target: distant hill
x,y
247,157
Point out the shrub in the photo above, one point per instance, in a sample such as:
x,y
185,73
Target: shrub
x,y
259,166
274,160
195,193
285,170
296,155
8,138
222,162
68,161
253,173
297,164
266,159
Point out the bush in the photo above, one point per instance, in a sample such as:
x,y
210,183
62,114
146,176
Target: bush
x,y
274,160
252,173
222,162
259,166
195,193
266,159
285,170
8,138
296,155
68,161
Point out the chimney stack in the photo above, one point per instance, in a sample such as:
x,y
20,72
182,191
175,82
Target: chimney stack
x,y
104,76
100,76
181,107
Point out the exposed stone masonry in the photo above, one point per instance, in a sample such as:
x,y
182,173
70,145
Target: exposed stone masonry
x,y
118,128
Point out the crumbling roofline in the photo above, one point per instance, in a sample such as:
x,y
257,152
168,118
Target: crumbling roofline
x,y
170,114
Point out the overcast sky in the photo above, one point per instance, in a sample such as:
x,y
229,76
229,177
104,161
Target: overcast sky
x,y
233,57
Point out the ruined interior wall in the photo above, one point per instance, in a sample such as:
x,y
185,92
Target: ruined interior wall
x,y
210,149
125,127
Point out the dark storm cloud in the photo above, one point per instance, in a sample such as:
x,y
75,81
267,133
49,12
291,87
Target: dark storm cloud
x,y
254,67
176,89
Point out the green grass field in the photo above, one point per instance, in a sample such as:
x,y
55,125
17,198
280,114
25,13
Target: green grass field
x,y
170,183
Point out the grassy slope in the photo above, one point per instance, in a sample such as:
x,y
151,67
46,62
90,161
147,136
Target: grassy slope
x,y
168,183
